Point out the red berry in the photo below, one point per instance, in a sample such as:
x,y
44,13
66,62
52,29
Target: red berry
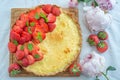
x,y
47,8
51,18
20,54
31,60
102,46
44,27
56,11
20,23
24,17
102,35
17,29
25,62
27,36
51,26
14,35
12,47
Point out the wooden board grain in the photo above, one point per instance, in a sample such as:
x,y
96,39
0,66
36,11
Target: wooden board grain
x,y
15,13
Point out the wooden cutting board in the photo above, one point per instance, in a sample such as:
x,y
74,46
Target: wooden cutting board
x,y
15,13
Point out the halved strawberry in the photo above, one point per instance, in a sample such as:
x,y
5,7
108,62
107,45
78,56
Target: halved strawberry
x,y
17,29
31,59
14,35
41,20
44,27
25,62
102,46
12,47
47,8
51,26
24,17
20,23
20,54
14,69
56,11
51,18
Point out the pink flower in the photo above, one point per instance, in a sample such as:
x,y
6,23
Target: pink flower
x,y
106,4
73,3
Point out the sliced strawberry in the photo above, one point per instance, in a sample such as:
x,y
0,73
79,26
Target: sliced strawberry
x,y
31,59
47,8
20,23
14,69
51,26
12,47
24,17
20,54
56,11
14,35
44,27
51,18
25,62
17,29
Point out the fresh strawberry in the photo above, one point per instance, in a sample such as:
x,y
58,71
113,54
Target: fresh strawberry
x,y
12,47
20,54
38,36
47,8
20,47
22,40
26,51
17,29
51,18
51,26
14,35
38,56
20,23
26,35
102,35
102,46
29,30
40,10
31,59
25,62
14,69
41,20
44,27
56,11
31,15
75,69
24,17
93,40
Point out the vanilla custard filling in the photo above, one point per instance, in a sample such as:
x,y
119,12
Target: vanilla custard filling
x,y
60,48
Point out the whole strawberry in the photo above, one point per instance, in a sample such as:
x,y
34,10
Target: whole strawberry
x,y
93,40
102,46
102,35
14,69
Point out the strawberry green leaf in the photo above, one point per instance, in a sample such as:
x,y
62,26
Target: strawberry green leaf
x,y
29,30
110,68
37,16
22,47
102,35
36,56
44,17
27,23
101,44
15,42
30,46
39,37
14,72
32,24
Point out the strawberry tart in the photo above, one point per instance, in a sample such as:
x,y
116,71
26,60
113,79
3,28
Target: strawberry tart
x,y
45,40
